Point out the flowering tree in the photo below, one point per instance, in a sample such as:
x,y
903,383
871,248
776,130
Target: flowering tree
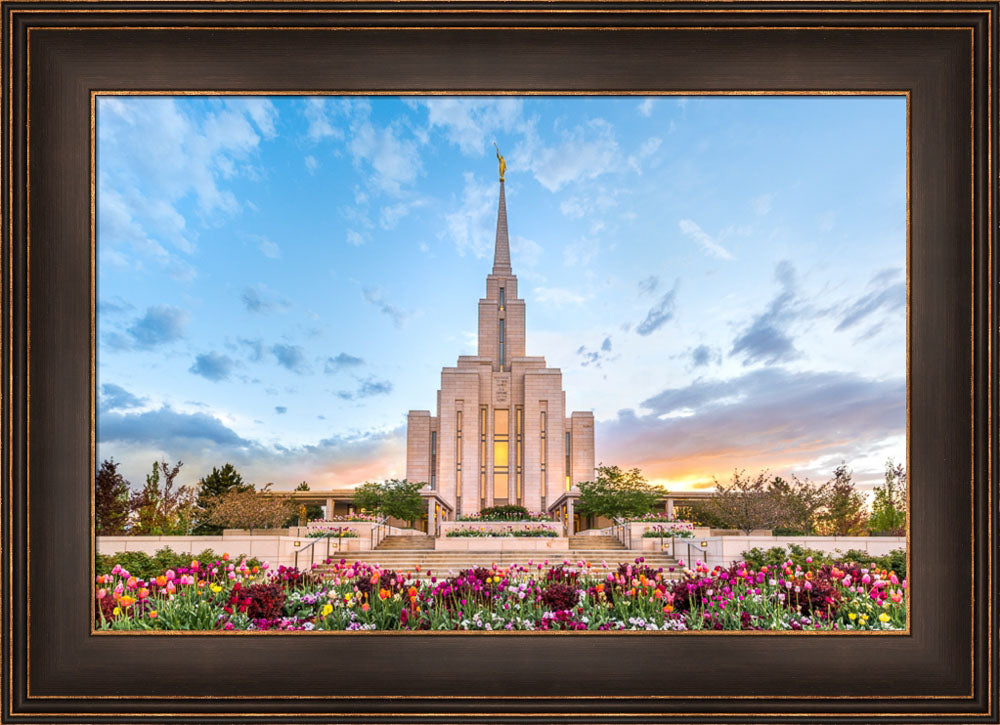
x,y
748,503
250,509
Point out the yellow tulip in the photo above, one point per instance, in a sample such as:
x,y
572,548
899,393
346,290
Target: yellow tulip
x,y
327,610
883,617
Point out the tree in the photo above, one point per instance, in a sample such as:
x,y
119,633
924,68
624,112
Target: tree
x,y
889,507
164,511
395,498
368,497
617,493
748,503
800,501
111,499
845,513
250,509
211,487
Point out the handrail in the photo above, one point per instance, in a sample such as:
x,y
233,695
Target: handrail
x,y
379,531
703,550
312,546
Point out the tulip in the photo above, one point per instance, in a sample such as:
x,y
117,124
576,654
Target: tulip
x,y
101,593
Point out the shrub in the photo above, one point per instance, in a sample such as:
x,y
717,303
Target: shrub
x,y
144,566
558,596
895,560
510,512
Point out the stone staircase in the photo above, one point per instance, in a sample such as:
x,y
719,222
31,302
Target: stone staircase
x,y
406,543
596,543
406,553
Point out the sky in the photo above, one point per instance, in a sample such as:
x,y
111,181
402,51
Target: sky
x,y
721,280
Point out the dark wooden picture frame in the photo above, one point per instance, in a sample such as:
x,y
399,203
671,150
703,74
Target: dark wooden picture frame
x,y
57,54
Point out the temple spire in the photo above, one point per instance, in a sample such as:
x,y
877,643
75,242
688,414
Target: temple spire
x,y
501,252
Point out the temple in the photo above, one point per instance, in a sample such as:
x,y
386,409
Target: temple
x,y
501,434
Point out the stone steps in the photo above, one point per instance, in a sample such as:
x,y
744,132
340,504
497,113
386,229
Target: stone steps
x,y
408,543
592,543
443,563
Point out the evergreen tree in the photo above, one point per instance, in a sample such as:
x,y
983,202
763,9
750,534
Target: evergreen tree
x,y
845,512
213,486
111,499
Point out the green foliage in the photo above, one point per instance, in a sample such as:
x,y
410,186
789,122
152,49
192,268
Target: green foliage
x,y
617,493
894,561
144,566
395,498
845,513
510,512
160,510
699,515
111,500
799,502
217,483
889,507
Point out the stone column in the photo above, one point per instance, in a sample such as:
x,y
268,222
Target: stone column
x,y
570,530
329,509
670,507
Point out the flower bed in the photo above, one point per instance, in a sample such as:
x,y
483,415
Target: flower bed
x,y
504,513
656,518
493,532
581,596
343,518
337,532
673,529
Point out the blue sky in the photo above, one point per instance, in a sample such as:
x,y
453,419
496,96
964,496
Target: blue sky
x,y
720,279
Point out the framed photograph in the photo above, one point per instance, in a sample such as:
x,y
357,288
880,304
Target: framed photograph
x,y
252,233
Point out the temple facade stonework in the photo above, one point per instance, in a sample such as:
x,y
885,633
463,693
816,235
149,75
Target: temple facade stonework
x,y
502,434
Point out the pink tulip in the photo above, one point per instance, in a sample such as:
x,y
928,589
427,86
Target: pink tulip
x,y
101,593
170,574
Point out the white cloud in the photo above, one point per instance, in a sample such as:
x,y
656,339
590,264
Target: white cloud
x,y
761,205
311,164
646,107
472,226
393,159
826,222
526,253
472,123
580,252
557,296
268,248
154,154
354,239
580,205
709,245
391,215
582,153
648,148
317,113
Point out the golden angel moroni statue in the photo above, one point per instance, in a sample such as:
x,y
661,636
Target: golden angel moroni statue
x,y
503,162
